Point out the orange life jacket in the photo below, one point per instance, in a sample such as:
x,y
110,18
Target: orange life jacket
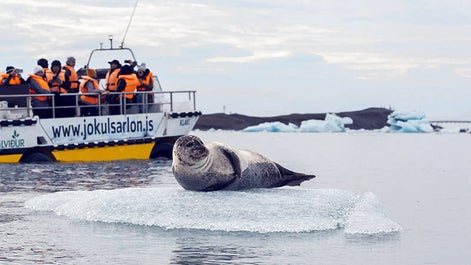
x,y
112,80
49,74
14,80
42,83
89,99
3,77
55,85
131,84
73,79
147,81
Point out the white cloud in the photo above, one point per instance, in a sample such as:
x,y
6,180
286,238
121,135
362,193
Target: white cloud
x,y
202,43
245,59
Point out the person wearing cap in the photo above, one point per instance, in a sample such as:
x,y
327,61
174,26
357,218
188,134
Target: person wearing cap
x,y
91,90
127,83
111,80
38,86
71,80
146,81
47,75
11,77
112,75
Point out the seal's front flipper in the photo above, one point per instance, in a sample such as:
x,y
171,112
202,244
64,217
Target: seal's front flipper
x,y
291,178
234,159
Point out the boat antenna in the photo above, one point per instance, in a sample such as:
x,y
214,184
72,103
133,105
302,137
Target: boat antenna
x,y
129,24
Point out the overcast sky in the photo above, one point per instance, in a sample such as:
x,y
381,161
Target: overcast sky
x,y
268,57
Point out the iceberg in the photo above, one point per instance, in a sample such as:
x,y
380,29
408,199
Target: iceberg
x,y
331,123
409,122
272,127
283,210
399,121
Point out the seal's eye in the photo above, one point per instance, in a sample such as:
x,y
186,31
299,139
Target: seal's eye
x,y
190,144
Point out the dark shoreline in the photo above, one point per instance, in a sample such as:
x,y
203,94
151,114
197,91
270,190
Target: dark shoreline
x,y
368,119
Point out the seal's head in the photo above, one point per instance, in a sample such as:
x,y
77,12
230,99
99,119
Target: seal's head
x,y
189,150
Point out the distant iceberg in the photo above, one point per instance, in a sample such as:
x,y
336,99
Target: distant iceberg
x,y
331,123
409,122
272,127
399,121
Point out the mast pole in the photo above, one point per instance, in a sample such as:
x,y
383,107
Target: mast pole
x,y
129,24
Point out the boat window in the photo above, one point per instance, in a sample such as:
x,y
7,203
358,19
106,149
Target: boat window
x,y
100,58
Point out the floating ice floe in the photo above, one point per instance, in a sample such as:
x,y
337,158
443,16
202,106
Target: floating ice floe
x,y
272,127
409,122
331,123
260,210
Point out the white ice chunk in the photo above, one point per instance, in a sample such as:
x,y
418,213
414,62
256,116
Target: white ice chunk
x,y
409,122
272,127
260,210
367,217
331,123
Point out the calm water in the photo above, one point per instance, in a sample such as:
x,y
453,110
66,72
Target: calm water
x,y
378,199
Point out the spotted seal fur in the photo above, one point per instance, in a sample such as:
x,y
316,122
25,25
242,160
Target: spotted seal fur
x,y
216,166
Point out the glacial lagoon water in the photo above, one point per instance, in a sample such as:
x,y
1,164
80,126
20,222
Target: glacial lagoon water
x,y
379,198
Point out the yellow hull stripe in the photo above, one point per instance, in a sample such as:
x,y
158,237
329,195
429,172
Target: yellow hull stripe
x,y
107,153
10,158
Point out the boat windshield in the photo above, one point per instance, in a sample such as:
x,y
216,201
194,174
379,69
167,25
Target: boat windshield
x,y
99,58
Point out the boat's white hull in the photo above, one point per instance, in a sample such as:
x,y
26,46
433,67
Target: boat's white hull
x,y
96,138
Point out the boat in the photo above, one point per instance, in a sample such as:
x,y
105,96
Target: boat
x,y
148,133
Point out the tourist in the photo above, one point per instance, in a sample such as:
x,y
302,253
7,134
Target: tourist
x,y
127,84
71,80
91,90
12,76
38,86
111,80
47,74
146,81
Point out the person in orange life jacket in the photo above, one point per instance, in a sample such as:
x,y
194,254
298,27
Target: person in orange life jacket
x,y
146,81
112,76
71,84
71,80
45,65
56,87
38,86
111,80
89,85
57,78
127,84
11,77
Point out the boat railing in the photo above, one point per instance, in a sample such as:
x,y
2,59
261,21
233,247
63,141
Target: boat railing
x,y
19,106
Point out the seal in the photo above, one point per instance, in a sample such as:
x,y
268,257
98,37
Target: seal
x,y
215,166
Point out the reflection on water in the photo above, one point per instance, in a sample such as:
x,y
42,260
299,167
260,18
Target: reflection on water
x,y
211,247
82,176
213,250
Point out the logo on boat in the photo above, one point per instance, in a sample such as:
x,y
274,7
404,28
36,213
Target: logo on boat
x,y
185,122
15,142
